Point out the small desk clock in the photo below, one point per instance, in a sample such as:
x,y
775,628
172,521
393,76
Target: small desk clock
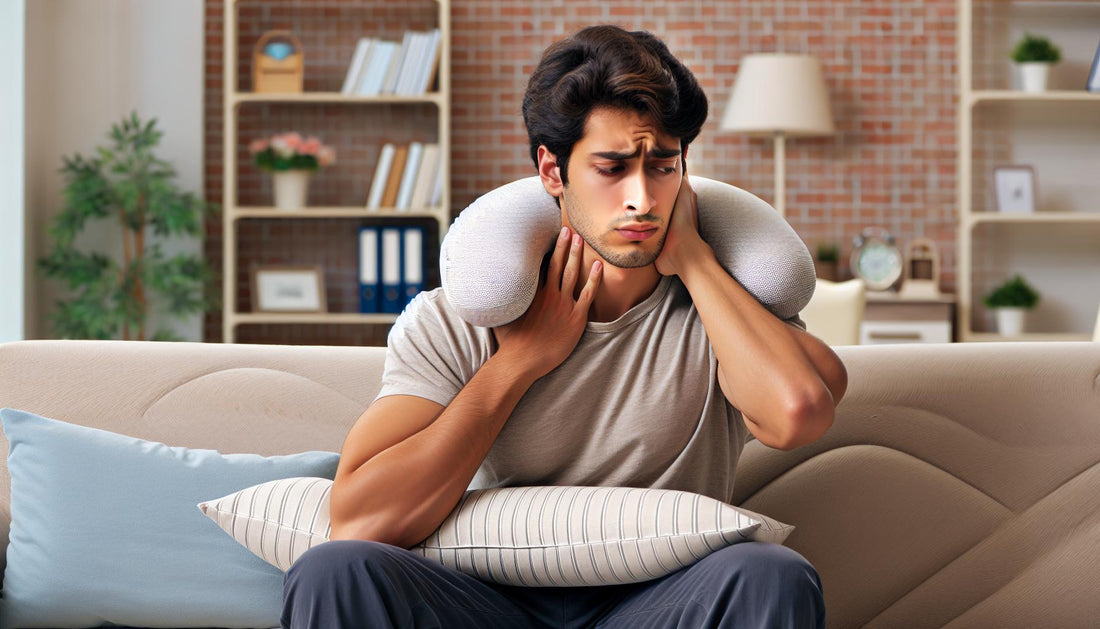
x,y
876,259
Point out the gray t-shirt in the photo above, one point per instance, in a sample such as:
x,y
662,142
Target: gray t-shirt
x,y
637,403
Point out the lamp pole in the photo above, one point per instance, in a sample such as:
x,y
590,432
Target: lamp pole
x,y
780,173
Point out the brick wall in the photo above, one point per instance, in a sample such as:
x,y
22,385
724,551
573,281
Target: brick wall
x,y
889,65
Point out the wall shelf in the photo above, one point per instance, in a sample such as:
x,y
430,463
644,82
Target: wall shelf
x,y
236,98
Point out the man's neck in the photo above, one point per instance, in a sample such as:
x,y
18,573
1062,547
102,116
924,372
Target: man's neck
x,y
619,290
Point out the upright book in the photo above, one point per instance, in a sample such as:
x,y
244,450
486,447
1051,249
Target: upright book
x,y
408,177
358,66
393,182
381,176
369,296
392,298
412,248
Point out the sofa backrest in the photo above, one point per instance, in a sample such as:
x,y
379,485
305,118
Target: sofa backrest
x,y
262,399
960,483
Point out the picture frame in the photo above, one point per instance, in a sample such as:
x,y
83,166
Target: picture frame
x,y
1093,84
1015,189
288,289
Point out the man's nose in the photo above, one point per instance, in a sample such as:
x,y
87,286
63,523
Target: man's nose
x,y
637,199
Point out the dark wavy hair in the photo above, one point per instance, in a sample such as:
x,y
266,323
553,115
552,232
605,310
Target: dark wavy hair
x,y
605,65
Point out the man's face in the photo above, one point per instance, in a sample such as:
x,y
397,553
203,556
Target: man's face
x,y
623,179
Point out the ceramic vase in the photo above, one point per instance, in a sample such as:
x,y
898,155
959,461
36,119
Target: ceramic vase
x,y
291,188
1033,75
1010,321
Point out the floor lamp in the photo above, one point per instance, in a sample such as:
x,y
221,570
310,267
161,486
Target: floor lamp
x,y
780,95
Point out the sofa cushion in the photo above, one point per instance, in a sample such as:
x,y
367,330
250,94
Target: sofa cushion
x,y
525,536
104,530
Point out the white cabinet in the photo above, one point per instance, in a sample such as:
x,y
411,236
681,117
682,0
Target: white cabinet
x,y
889,318
888,332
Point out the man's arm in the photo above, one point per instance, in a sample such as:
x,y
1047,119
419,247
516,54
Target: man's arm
x,y
785,382
775,374
408,461
397,479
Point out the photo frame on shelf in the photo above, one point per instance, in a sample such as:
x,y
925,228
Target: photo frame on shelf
x,y
1014,188
287,289
1093,84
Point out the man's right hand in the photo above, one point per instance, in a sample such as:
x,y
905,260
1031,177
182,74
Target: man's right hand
x,y
546,334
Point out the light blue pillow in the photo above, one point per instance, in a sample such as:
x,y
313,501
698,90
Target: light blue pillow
x,y
105,530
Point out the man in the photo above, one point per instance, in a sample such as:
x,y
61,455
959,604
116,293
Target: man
x,y
640,363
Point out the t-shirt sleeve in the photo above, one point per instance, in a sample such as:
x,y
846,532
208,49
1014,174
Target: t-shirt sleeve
x,y
429,353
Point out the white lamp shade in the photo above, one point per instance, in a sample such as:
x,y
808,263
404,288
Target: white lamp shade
x,y
779,93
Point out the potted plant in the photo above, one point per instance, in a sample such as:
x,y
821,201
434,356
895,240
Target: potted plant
x,y
291,158
1034,55
125,182
1010,301
828,258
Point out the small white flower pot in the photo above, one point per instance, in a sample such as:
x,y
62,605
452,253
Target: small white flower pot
x,y
291,188
1033,75
1010,321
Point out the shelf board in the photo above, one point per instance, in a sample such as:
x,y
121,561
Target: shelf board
x,y
1029,336
332,97
979,96
329,212
1037,217
311,317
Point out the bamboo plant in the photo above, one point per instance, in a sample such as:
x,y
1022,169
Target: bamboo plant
x,y
126,183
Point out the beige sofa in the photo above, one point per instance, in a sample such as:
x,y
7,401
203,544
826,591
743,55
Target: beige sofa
x,y
958,487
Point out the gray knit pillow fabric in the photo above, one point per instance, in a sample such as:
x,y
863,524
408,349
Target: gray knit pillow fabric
x,y
550,536
490,257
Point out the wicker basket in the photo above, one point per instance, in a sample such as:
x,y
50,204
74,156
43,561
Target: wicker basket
x,y
270,74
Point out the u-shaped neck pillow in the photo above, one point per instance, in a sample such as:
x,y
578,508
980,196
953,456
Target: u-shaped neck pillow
x,y
491,256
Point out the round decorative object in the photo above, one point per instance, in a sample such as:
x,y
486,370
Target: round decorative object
x,y
876,259
278,50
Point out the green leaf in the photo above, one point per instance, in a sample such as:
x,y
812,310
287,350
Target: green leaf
x,y
76,268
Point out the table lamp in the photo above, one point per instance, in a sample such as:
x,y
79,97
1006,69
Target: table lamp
x,y
779,95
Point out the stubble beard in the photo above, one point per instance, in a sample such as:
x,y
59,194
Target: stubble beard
x,y
636,256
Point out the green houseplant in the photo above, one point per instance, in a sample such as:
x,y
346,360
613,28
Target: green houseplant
x,y
828,259
1034,55
1010,301
112,298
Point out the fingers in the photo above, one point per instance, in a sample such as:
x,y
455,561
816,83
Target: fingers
x,y
590,287
572,266
557,261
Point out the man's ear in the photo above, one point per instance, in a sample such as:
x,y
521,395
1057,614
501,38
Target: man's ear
x,y
549,171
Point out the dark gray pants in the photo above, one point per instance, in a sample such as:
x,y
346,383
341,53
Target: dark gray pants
x,y
356,584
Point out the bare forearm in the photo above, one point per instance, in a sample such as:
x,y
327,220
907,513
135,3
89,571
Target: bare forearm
x,y
767,370
827,364
408,489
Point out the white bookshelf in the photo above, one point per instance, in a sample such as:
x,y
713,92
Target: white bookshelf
x,y
232,213
1057,132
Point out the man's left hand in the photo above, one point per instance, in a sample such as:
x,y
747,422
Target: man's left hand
x,y
683,239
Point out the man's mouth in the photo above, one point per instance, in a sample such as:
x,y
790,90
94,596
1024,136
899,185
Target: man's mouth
x,y
637,232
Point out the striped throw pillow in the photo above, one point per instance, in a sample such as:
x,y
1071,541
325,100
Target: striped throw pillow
x,y
527,536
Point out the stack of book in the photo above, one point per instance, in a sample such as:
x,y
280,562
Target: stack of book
x,y
386,67
407,177
391,267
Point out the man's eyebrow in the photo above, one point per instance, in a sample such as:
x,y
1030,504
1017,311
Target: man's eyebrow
x,y
617,156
